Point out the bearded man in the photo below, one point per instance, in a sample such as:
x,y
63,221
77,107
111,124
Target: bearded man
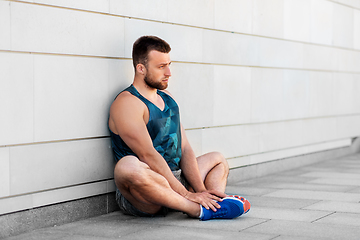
x,y
156,168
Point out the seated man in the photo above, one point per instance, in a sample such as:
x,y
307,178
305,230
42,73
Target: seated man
x,y
156,168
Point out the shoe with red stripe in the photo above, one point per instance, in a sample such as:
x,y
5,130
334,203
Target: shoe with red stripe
x,y
232,206
246,203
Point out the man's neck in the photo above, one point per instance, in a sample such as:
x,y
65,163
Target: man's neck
x,y
144,89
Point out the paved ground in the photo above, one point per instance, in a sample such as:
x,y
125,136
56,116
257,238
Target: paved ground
x,y
320,201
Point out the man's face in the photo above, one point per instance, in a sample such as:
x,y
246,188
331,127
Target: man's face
x,y
158,70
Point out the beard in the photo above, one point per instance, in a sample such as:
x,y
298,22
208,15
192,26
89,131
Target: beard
x,y
154,84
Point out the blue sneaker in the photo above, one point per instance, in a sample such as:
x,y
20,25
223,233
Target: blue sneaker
x,y
231,207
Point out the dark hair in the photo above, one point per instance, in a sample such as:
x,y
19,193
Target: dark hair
x,y
143,45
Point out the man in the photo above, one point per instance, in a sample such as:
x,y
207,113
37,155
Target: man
x,y
156,168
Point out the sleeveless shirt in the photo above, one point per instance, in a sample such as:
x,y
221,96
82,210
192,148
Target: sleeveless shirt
x,y
163,127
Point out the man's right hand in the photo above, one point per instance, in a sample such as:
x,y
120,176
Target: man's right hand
x,y
208,199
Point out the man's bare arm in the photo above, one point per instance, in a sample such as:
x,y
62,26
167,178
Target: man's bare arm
x,y
189,165
127,120
191,171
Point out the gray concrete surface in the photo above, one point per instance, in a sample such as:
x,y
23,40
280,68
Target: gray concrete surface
x,y
320,201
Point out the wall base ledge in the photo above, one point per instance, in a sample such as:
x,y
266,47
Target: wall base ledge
x,y
61,213
285,164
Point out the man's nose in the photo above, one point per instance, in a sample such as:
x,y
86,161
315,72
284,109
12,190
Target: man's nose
x,y
168,71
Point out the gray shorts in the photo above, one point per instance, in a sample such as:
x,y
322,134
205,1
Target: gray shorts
x,y
127,208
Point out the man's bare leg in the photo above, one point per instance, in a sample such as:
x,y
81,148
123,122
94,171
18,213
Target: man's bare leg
x,y
214,171
147,190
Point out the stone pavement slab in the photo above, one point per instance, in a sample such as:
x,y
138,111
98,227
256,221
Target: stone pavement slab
x,y
280,177
316,195
313,185
346,207
306,229
109,229
181,233
300,204
350,219
285,203
284,237
174,226
337,181
333,175
287,214
180,219
247,191
355,190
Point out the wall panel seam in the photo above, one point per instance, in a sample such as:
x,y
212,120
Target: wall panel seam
x,y
184,25
58,188
185,62
343,4
275,121
56,141
288,148
187,129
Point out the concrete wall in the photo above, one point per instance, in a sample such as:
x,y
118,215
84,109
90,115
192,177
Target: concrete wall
x,y
255,79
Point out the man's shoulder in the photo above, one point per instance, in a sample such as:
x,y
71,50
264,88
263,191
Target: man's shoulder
x,y
123,96
126,101
126,109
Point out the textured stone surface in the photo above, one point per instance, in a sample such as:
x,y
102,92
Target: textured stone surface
x,y
350,219
305,229
344,207
16,223
287,214
317,195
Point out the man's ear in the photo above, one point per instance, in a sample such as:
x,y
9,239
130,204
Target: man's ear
x,y
140,68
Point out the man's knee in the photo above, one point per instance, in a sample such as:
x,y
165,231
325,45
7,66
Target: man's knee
x,y
131,172
134,178
128,170
221,161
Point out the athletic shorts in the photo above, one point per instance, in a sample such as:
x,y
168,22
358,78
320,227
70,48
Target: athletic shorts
x,y
127,208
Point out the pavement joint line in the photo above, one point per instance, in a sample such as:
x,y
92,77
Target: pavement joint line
x,y
303,208
352,189
275,237
323,217
265,221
